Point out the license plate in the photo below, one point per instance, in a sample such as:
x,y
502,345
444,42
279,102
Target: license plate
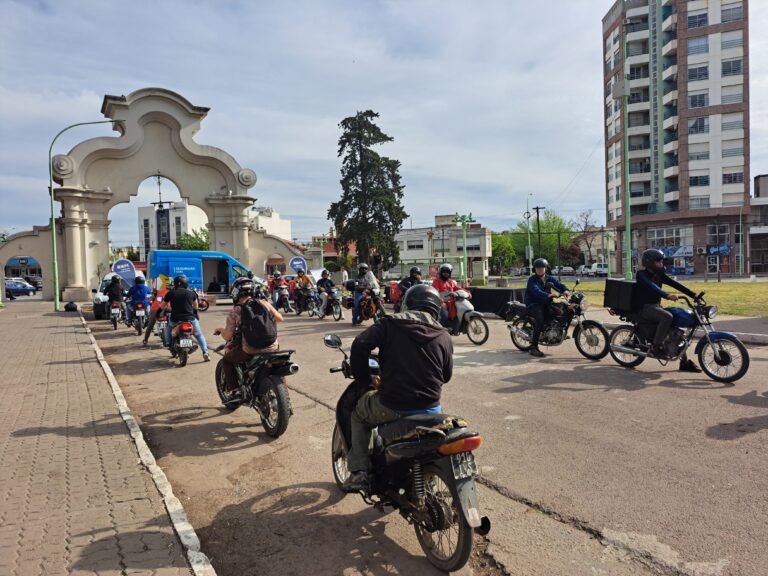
x,y
139,312
463,465
161,325
115,311
185,343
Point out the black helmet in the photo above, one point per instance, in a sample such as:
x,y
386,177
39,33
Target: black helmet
x,y
415,270
447,268
540,263
362,268
324,273
652,255
115,279
139,279
250,274
422,297
181,281
242,287
300,272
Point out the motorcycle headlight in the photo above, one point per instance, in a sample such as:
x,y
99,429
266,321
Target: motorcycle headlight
x,y
584,304
712,312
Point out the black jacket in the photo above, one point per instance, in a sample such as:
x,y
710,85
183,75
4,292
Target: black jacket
x,y
648,288
114,292
416,359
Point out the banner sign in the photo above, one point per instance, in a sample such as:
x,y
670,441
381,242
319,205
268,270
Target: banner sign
x,y
718,249
124,268
297,262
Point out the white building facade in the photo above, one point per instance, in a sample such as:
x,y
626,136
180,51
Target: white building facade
x,y
161,226
267,219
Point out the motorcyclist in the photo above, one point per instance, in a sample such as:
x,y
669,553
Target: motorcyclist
x,y
114,291
647,300
444,284
365,280
237,349
138,293
303,282
154,309
416,360
274,286
324,287
183,304
538,297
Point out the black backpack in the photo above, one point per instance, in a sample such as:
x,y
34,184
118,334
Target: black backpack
x,y
257,325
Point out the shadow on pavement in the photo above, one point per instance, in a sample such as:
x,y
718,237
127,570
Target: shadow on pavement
x,y
110,426
742,426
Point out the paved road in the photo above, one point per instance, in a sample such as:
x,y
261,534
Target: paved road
x,y
670,468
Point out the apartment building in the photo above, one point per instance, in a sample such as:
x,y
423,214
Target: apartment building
x,y
161,225
676,76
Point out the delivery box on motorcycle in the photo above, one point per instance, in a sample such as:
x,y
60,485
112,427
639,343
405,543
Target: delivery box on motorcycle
x,y
619,295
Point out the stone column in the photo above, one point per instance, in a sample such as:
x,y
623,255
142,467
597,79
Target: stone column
x,y
72,268
229,225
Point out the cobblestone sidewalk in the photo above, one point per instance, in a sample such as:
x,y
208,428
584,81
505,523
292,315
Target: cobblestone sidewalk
x,y
74,498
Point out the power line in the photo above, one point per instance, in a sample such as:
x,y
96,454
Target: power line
x,y
580,170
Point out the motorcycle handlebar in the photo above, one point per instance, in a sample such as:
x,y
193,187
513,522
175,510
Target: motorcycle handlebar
x,y
334,370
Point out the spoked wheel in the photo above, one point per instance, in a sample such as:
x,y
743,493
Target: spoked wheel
x,y
625,336
522,340
203,305
448,543
724,360
339,459
275,408
183,356
591,340
336,311
477,330
221,388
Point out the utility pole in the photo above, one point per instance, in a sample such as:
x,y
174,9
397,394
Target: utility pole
x,y
464,219
529,253
538,225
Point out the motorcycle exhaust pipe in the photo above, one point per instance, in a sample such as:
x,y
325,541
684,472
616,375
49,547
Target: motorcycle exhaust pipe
x,y
625,350
519,331
293,368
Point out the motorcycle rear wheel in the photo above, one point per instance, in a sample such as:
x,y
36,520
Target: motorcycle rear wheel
x,y
448,549
724,360
276,407
520,341
183,356
623,335
339,459
223,395
591,340
477,330
203,305
139,325
114,322
336,311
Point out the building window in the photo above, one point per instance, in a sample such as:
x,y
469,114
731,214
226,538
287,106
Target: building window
x,y
732,94
415,244
698,125
145,226
698,100
698,73
694,181
732,14
733,121
177,223
717,233
698,203
733,178
732,67
699,151
697,20
733,148
733,39
698,45
670,236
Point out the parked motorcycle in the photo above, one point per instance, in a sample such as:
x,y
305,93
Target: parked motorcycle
x,y
721,355
182,344
423,467
333,305
591,337
139,319
262,388
462,318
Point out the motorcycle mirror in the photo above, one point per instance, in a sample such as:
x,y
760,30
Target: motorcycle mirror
x,y
332,341
577,282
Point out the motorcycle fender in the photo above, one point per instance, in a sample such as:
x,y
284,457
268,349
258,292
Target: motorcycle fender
x,y
465,492
715,336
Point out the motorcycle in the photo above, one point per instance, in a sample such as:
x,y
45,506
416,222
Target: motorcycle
x,y
591,337
371,307
160,323
306,302
423,467
462,318
182,344
333,305
284,298
261,388
116,313
721,355
139,317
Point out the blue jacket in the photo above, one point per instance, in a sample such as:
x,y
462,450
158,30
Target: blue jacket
x,y
139,293
538,293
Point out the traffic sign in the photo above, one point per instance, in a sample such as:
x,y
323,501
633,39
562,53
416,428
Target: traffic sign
x,y
297,262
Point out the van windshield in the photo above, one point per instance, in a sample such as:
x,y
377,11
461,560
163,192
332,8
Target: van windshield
x,y
239,271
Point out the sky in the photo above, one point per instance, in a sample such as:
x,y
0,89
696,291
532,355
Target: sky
x,y
489,103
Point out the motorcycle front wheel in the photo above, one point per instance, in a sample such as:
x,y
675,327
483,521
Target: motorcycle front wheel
x,y
336,311
724,360
591,340
477,330
275,408
221,390
339,459
625,336
522,341
286,305
203,305
311,308
447,549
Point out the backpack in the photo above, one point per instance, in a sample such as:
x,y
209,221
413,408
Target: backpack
x,y
257,325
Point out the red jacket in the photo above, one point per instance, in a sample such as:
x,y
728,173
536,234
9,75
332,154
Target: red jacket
x,y
157,299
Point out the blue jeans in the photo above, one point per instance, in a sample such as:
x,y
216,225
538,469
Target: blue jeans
x,y
356,308
198,334
129,310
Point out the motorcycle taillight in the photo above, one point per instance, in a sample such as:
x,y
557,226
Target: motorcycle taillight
x,y
186,326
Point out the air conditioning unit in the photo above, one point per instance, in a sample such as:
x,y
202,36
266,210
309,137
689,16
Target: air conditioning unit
x,y
701,250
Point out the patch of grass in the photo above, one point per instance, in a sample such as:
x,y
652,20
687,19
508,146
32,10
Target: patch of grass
x,y
732,298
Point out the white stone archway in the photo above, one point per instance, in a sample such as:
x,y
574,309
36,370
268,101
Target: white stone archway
x,y
156,136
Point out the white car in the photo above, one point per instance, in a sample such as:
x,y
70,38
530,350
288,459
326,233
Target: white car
x,y
598,269
100,300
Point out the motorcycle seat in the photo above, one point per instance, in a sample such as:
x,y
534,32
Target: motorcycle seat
x,y
416,425
264,357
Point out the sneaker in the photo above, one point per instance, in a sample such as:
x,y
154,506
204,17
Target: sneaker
x,y
357,481
320,316
537,353
206,357
688,365
144,343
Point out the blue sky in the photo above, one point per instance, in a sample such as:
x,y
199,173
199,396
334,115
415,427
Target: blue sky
x,y
487,101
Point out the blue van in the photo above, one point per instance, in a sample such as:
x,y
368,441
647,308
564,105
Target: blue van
x,y
212,272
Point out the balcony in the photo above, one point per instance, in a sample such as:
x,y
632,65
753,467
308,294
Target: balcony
x,y
671,172
672,196
670,23
671,122
639,153
671,146
669,48
641,200
640,177
639,130
637,31
670,72
669,97
641,106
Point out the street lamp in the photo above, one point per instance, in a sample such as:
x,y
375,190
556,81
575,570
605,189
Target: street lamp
x,y
56,298
464,219
527,216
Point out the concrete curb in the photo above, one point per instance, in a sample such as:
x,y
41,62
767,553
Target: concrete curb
x,y
198,561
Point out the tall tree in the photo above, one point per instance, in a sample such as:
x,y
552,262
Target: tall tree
x,y
370,211
197,240
551,223
584,224
503,253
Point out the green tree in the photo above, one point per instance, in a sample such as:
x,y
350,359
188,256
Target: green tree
x,y
503,253
370,210
551,223
132,254
197,240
